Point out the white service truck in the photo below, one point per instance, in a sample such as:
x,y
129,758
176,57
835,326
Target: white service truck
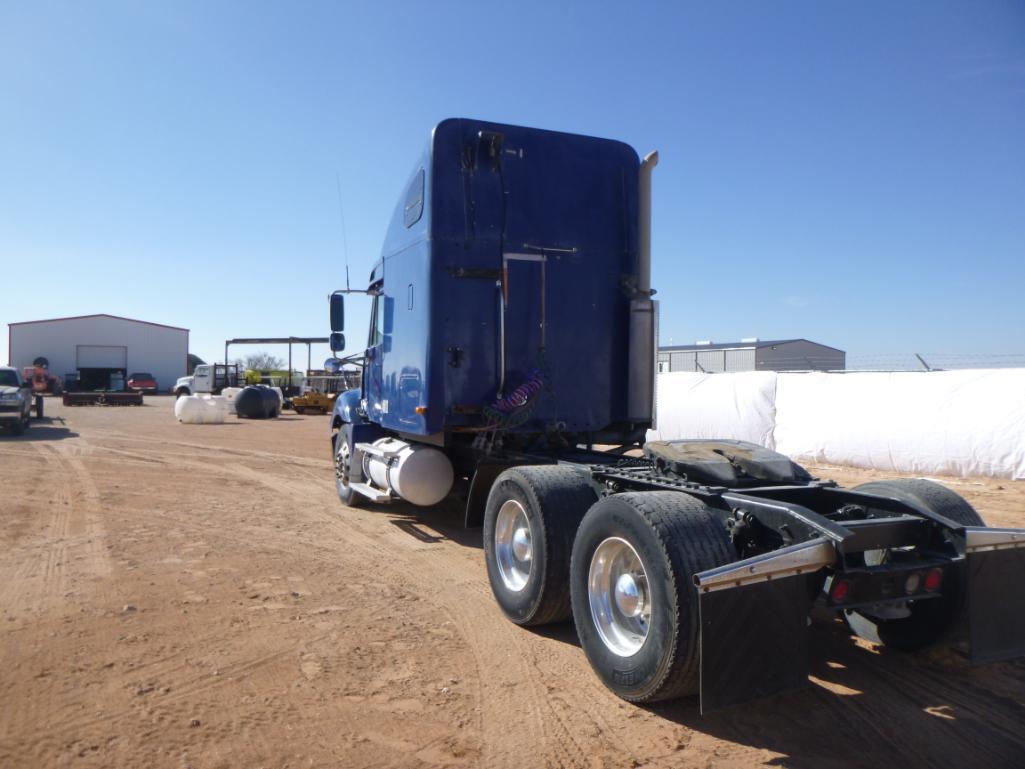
x,y
210,378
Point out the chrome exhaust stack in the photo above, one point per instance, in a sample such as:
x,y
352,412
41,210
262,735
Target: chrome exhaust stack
x,y
643,311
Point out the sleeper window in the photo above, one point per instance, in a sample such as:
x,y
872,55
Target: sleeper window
x,y
415,200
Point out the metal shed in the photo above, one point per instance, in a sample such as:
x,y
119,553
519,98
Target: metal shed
x,y
93,347
752,355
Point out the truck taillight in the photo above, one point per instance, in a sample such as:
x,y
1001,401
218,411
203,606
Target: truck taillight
x,y
839,591
933,579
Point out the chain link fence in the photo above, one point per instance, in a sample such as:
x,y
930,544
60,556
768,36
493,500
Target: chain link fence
x,y
719,361
932,361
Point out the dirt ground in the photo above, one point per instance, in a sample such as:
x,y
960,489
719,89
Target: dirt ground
x,y
195,596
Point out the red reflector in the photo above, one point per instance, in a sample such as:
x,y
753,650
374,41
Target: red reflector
x,y
933,579
839,590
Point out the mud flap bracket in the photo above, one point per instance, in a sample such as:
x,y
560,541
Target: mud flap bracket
x,y
754,623
996,604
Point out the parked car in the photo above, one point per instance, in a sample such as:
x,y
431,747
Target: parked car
x,y
142,382
15,401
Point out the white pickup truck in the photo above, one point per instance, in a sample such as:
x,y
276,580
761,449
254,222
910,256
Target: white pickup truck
x,y
15,401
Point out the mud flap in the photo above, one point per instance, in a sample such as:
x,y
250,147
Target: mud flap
x,y
996,604
483,479
754,624
480,486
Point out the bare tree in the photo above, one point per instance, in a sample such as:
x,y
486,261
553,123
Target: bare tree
x,y
264,361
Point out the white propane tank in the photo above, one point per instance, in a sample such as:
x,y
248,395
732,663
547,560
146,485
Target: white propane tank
x,y
229,394
419,474
220,400
196,410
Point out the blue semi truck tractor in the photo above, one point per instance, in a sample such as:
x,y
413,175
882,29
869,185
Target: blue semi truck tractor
x,y
512,332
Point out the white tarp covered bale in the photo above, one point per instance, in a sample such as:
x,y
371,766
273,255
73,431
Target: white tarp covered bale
x,y
969,422
201,410
737,406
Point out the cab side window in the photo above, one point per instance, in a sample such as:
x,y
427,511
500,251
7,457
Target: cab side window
x,y
376,322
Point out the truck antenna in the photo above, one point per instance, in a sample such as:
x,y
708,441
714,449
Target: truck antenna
x,y
345,242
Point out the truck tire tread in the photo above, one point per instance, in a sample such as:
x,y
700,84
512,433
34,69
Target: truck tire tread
x,y
690,539
932,495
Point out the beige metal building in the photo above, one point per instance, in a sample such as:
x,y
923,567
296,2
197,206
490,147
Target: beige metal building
x,y
92,348
752,355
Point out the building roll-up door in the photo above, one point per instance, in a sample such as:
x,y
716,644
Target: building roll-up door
x,y
101,356
711,361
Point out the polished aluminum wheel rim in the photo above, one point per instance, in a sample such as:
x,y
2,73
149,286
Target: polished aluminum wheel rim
x,y
617,590
342,463
514,550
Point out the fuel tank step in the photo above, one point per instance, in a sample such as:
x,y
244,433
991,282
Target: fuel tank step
x,y
368,491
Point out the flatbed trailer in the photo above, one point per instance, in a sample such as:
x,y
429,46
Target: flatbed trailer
x,y
512,330
102,399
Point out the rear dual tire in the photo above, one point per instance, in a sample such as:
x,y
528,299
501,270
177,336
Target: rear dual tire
x,y
622,566
932,620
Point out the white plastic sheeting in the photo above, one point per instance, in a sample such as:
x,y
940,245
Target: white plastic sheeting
x,y
969,422
738,406
201,409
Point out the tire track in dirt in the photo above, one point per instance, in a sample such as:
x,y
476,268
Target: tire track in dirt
x,y
284,542
915,680
85,524
229,676
508,684
66,531
897,684
532,688
45,574
501,685
23,579
493,685
545,721
222,451
539,705
70,551
74,527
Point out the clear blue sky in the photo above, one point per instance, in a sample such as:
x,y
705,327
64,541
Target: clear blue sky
x,y
852,173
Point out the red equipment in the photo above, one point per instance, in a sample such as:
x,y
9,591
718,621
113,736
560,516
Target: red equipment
x,y
42,381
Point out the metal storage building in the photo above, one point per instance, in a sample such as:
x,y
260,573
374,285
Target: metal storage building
x,y
752,355
94,346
